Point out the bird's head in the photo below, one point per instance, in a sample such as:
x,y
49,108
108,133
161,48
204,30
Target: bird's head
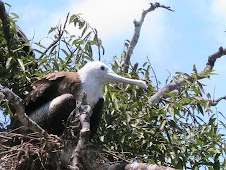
x,y
100,72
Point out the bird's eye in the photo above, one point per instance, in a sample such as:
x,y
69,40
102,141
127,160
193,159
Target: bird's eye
x,y
102,67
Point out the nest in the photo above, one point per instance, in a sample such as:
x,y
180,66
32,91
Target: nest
x,y
30,151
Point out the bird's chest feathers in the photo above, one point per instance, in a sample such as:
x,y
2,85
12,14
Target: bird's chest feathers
x,y
93,90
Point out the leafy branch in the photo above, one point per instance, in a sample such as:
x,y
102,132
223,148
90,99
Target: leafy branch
x,y
60,34
177,83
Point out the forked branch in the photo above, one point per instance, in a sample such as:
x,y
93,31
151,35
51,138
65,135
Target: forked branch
x,y
176,84
136,35
61,32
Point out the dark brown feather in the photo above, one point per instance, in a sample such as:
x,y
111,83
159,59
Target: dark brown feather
x,y
51,86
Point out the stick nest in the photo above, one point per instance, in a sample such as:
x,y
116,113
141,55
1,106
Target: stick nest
x,y
30,151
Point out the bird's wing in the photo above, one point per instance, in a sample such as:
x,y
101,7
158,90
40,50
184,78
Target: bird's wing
x,y
45,89
41,85
96,117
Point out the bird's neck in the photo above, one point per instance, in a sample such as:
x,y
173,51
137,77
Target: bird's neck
x,y
92,87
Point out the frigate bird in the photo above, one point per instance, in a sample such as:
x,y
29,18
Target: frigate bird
x,y
69,85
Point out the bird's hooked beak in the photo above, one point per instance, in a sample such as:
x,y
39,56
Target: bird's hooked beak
x,y
113,77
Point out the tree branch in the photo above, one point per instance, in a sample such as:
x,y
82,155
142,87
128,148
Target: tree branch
x,y
85,112
213,102
20,112
135,166
176,84
61,32
136,35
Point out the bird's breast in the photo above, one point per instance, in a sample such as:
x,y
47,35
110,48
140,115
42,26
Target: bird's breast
x,y
93,92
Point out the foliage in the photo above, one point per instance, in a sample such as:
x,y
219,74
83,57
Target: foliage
x,y
181,130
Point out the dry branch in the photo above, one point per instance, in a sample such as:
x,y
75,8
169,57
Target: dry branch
x,y
213,102
135,166
176,84
61,32
20,111
139,166
136,35
85,112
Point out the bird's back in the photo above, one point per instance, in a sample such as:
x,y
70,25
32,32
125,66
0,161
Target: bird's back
x,y
49,87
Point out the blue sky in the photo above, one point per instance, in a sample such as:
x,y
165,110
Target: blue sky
x,y
173,41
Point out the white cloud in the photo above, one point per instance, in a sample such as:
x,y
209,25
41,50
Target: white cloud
x,y
219,9
219,20
114,22
110,17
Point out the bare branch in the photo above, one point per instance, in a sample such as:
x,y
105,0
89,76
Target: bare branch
x,y
20,112
136,166
176,84
85,114
146,166
61,32
136,35
213,102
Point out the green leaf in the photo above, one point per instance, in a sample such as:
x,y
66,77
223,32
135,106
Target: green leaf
x,y
163,124
15,15
117,61
52,29
123,55
171,110
195,69
200,108
78,42
8,109
81,24
65,52
21,64
196,90
84,30
73,18
170,94
39,51
40,45
10,6
8,62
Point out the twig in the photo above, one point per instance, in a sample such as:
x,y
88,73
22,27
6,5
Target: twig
x,y
20,112
85,114
156,80
213,102
138,25
56,40
176,84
